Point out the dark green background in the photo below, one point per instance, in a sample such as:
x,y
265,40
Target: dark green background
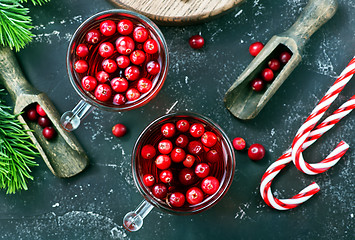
x,y
92,204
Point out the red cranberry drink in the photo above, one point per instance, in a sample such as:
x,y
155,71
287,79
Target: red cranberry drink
x,y
182,163
117,60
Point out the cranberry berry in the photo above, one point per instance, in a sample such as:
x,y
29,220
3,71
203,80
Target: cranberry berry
x,y
196,41
40,110
255,48
82,50
181,141
177,199
166,176
102,76
159,191
132,94
209,139
187,176
202,170
108,27
44,121
81,66
125,27
119,99
285,57
168,130
178,155
195,147
140,34
123,61
132,73
144,85
49,133
256,152
212,156
125,45
103,92
89,83
274,64
189,161
194,195
148,152
183,125
119,130
109,65
267,74
106,49
148,180
165,146
32,114
197,129
163,162
239,143
153,67
257,84
210,185
119,84
151,46
93,36
137,57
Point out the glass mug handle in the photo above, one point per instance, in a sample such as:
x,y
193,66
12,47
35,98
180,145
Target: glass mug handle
x,y
70,120
133,221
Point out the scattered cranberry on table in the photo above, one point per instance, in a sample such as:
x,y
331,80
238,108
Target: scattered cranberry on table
x,y
239,143
256,152
255,48
196,41
119,130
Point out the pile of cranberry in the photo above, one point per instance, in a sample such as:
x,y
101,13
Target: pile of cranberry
x,y
185,171
274,65
35,113
126,65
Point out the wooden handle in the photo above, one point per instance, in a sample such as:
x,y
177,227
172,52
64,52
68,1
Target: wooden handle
x,y
314,15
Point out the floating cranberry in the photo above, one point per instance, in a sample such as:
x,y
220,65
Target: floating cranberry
x,y
106,49
81,66
165,146
202,170
210,185
125,27
123,61
213,156
140,34
119,84
256,152
93,36
132,94
151,46
194,195
274,64
119,99
153,67
183,125
148,180
257,84
44,121
125,45
166,176
239,143
187,176
209,139
168,130
285,57
255,48
119,130
109,65
181,141
148,151
89,83
132,73
177,199
195,147
178,155
32,114
144,85
163,162
267,74
196,41
103,92
197,129
159,191
102,76
40,110
82,50
49,133
137,57
189,161
108,27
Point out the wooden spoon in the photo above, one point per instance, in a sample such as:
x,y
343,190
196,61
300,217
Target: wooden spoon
x,y
240,99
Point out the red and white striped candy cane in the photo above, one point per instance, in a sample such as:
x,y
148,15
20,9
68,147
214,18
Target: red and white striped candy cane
x,y
305,130
281,162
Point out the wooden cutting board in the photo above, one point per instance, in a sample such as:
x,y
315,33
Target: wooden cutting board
x,y
178,12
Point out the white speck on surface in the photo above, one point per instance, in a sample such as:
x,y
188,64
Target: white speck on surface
x,y
241,214
351,215
55,205
238,13
171,108
186,79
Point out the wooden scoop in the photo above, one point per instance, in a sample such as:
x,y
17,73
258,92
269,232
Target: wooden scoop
x,y
63,155
240,99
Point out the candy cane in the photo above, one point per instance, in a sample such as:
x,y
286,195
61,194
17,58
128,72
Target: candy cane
x,y
281,162
305,130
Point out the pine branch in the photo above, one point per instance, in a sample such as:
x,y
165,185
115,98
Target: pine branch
x,y
17,152
34,2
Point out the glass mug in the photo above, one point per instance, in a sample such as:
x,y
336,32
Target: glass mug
x,y
222,170
70,120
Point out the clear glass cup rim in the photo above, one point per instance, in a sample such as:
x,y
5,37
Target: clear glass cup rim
x,y
164,68
228,181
